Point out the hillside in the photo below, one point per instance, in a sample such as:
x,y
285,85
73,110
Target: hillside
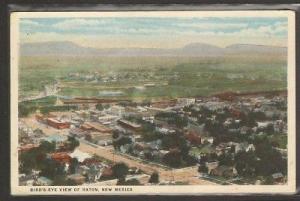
x,y
190,50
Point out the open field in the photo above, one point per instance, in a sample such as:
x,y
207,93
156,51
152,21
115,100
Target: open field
x,y
172,76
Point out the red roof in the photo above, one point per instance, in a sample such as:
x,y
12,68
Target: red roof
x,y
62,157
27,147
107,172
193,138
90,161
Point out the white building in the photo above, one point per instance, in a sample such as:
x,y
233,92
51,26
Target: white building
x,y
117,110
186,101
50,90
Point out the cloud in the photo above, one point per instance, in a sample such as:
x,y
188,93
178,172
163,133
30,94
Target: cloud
x,y
112,32
214,26
26,22
77,24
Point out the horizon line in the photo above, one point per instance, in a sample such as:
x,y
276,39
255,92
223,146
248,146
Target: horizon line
x,y
68,41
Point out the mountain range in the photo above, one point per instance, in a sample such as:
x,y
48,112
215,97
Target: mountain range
x,y
66,48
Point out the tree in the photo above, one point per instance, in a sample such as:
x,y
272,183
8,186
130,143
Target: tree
x,y
121,141
60,180
203,169
115,134
130,182
120,171
154,178
148,155
268,181
73,143
46,147
52,169
172,118
246,163
189,160
173,159
73,165
88,137
225,159
29,160
269,129
99,107
24,110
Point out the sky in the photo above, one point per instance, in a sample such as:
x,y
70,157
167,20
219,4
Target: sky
x,y
156,32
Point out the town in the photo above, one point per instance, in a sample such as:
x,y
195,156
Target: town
x,y
223,139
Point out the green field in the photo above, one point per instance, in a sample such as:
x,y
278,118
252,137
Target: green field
x,y
173,76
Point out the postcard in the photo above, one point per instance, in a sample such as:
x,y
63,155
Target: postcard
x,y
153,102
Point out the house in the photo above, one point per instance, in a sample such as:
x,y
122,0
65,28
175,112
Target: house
x,y
78,132
125,148
58,124
76,178
236,113
244,146
245,130
40,118
104,142
263,125
234,130
162,105
193,138
61,157
96,127
43,118
250,147
94,173
134,170
91,161
223,148
211,165
155,145
117,110
224,171
228,122
107,173
28,179
163,152
186,101
165,130
130,125
207,140
107,119
148,119
27,147
140,146
82,169
86,127
81,156
43,181
278,177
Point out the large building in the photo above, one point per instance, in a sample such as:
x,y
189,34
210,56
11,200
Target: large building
x,y
57,123
186,101
96,127
130,125
117,110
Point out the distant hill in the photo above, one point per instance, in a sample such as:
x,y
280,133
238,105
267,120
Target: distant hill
x,y
66,48
245,48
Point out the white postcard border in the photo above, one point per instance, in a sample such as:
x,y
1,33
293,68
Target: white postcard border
x,y
290,188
